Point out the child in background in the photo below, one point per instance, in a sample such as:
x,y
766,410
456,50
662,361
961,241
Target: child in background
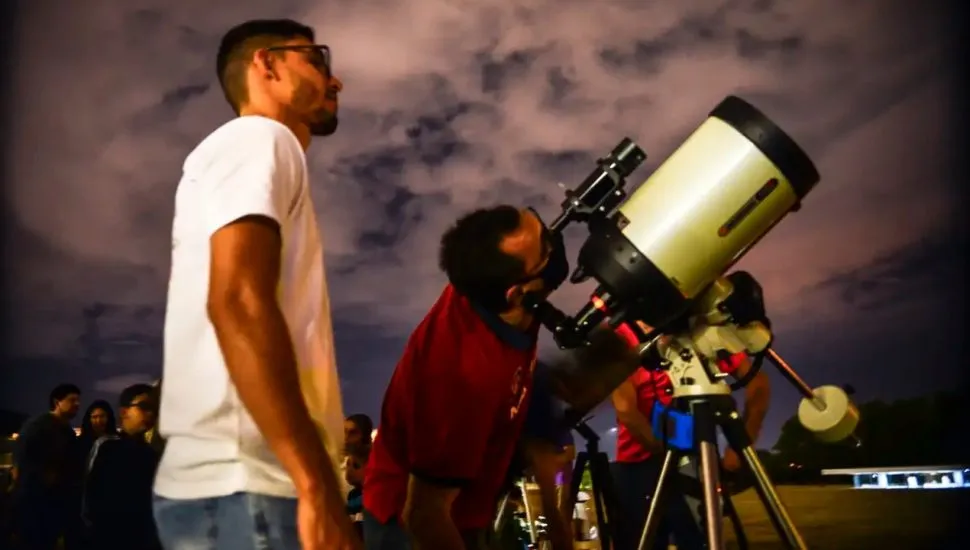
x,y
355,478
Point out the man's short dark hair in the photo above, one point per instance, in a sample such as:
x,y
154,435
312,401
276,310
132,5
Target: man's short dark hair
x,y
131,392
241,42
61,391
363,423
471,258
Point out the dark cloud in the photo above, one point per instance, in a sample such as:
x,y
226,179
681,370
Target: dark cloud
x,y
752,46
366,354
710,32
472,103
560,87
404,210
566,167
172,99
432,139
496,73
932,264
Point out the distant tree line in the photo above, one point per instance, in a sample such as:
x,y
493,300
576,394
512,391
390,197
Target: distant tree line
x,y
927,431
933,430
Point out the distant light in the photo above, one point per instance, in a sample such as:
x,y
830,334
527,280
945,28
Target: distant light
x,y
914,478
613,430
373,434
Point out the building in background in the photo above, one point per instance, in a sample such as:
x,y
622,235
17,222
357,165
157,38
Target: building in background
x,y
906,477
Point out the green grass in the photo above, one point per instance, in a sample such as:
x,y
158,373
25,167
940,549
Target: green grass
x,y
835,518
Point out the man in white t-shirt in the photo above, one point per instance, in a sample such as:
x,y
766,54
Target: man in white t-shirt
x,y
251,406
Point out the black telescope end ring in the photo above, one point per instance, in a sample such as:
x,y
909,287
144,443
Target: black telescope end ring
x,y
772,141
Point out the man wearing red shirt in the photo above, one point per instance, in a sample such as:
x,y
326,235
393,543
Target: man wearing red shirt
x,y
639,453
454,409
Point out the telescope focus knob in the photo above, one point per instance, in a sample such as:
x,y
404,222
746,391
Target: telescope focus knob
x,y
831,416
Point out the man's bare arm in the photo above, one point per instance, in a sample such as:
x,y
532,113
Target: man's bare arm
x,y
256,344
756,396
624,400
545,461
427,516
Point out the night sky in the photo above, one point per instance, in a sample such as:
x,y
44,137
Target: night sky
x,y
453,104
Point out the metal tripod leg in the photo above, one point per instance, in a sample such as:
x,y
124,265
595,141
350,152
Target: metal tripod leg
x,y
705,433
738,439
530,515
603,496
732,513
577,478
654,517
503,512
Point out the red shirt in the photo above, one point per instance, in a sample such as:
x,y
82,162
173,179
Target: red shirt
x,y
453,412
651,386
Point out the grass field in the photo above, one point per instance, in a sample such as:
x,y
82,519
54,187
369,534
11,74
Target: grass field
x,y
836,518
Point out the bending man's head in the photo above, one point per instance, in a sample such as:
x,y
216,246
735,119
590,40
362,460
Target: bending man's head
x,y
494,256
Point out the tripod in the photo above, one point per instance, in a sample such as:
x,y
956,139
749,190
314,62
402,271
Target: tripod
x,y
711,407
604,495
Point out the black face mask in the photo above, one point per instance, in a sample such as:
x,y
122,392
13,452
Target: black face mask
x,y
556,269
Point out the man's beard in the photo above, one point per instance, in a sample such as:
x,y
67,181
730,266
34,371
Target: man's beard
x,y
325,127
325,122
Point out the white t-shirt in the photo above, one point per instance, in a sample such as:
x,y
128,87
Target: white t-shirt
x,y
249,166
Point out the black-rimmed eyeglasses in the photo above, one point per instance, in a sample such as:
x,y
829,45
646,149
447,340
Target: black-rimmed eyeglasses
x,y
317,54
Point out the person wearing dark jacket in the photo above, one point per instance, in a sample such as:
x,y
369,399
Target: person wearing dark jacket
x,y
118,490
98,421
48,474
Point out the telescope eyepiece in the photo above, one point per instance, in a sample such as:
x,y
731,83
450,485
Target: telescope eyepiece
x,y
626,157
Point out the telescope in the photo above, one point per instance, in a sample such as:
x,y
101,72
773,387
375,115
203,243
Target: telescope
x,y
660,259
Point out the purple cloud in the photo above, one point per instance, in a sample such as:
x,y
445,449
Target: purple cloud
x,y
452,104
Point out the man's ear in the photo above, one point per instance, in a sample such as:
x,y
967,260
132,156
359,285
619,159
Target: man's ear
x,y
264,62
514,294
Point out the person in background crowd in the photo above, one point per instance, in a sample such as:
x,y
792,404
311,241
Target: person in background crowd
x,y
453,412
98,421
46,493
357,443
251,407
545,427
640,453
117,504
356,461
547,453
357,433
